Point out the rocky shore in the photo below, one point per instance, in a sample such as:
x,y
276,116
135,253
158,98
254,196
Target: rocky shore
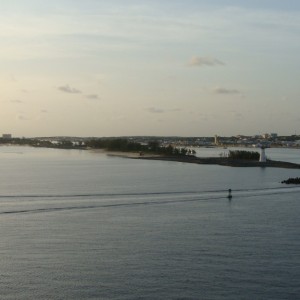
x,y
292,181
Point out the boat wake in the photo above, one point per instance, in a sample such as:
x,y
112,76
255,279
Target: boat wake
x,y
90,195
115,200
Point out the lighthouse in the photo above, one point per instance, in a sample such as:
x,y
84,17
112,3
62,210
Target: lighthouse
x,y
263,157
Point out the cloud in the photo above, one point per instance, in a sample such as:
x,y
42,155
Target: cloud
x,y
93,97
225,91
155,110
16,101
197,61
67,89
44,111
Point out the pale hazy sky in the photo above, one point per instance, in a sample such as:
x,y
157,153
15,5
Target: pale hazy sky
x,y
147,67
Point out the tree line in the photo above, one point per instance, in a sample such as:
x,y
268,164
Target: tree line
x,y
112,144
241,154
126,145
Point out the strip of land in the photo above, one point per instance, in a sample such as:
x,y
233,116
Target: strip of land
x,y
227,162
221,161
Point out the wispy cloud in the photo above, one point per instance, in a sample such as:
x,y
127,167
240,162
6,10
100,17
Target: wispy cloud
x,y
93,97
155,110
197,61
226,91
44,111
70,90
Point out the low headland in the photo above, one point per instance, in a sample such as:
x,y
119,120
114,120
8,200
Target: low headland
x,y
223,161
235,158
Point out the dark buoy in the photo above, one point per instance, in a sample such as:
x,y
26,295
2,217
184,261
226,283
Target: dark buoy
x,y
229,194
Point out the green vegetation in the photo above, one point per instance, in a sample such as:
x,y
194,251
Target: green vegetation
x,y
125,145
110,144
244,155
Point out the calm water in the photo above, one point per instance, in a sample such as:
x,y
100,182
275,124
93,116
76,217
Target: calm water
x,y
82,225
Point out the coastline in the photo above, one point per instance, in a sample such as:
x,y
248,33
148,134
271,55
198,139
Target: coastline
x,y
230,162
221,161
122,154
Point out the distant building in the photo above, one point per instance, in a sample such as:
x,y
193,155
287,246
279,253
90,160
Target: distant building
x,y
265,136
6,136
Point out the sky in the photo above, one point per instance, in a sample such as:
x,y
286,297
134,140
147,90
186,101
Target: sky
x,y
164,68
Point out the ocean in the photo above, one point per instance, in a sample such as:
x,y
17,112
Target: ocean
x,y
78,224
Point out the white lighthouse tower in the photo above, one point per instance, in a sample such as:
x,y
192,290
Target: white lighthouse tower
x,y
263,157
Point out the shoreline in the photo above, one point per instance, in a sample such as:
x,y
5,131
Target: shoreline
x,y
122,154
220,161
227,162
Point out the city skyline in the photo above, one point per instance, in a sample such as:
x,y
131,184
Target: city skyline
x,y
161,68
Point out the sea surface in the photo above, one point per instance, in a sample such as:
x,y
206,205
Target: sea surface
x,y
83,225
